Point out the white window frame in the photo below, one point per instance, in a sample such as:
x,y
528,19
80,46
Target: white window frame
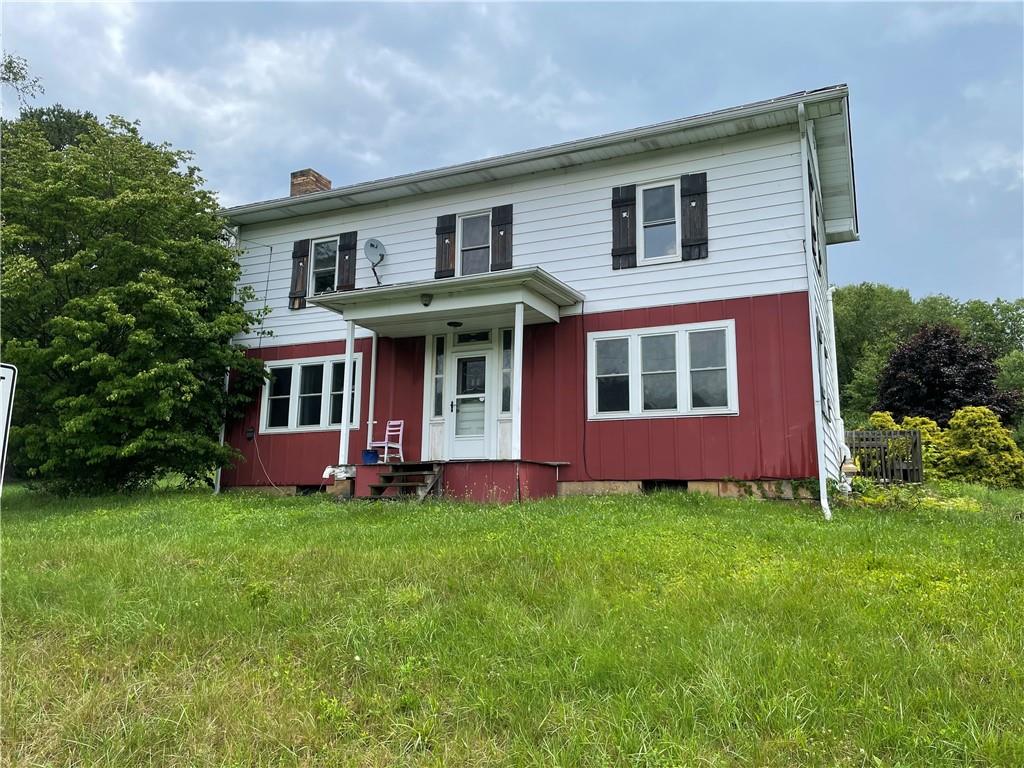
x,y
683,390
325,398
458,239
678,255
337,254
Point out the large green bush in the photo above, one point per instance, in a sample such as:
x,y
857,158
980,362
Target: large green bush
x,y
981,450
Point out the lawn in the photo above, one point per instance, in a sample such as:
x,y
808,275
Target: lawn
x,y
180,629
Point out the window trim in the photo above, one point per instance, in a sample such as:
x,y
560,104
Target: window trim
x,y
458,239
683,407
325,403
311,277
678,255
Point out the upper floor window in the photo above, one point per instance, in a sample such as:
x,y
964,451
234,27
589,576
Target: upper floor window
x,y
324,265
679,370
658,234
308,395
475,244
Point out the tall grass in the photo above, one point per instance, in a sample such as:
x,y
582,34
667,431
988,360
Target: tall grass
x,y
180,629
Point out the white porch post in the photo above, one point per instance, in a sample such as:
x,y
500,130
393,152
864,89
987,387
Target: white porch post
x,y
346,397
517,384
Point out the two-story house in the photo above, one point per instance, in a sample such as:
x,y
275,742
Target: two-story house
x,y
644,306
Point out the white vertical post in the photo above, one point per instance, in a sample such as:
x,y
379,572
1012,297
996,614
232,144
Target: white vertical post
x,y
346,398
517,384
373,392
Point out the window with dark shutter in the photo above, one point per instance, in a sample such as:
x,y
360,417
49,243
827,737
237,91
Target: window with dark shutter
x,y
624,227
300,269
347,261
693,195
501,237
444,265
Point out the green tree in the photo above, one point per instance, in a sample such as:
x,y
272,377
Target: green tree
x,y
939,370
867,316
118,288
1011,379
61,126
15,74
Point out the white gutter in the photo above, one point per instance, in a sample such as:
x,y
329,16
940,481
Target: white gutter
x,y
373,391
819,427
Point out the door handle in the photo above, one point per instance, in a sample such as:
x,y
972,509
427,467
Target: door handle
x,y
453,406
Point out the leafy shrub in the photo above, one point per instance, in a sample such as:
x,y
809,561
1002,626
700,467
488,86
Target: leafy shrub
x,y
981,450
933,442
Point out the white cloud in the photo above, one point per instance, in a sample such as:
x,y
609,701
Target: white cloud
x,y
913,22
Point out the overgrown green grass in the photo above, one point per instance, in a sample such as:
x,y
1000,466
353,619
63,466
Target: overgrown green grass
x,y
180,629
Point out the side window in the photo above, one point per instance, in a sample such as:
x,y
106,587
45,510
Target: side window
x,y
709,384
506,371
279,397
475,244
659,235
611,370
438,376
324,265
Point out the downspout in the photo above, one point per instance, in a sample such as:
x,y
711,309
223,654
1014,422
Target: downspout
x,y
841,428
819,427
373,391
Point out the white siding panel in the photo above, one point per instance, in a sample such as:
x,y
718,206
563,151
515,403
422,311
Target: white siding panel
x,y
562,222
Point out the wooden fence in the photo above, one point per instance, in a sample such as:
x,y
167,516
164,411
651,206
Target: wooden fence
x,y
889,455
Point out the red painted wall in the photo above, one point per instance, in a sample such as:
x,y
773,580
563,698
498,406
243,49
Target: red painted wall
x,y
772,437
300,459
499,480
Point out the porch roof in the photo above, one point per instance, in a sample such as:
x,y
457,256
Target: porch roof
x,y
427,307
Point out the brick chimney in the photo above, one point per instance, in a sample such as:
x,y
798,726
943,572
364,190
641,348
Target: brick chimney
x,y
308,180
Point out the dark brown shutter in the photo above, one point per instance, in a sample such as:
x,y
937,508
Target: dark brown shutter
x,y
624,227
501,237
444,265
693,193
347,261
300,273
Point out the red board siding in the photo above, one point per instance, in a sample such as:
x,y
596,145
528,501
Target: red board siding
x,y
499,480
772,437
300,458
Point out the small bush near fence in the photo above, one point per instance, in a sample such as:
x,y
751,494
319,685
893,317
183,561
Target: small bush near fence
x,y
976,448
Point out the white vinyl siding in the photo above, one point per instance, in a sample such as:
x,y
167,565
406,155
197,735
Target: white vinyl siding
x,y
673,370
303,395
562,223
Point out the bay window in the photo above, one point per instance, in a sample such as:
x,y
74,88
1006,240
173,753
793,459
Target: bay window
x,y
680,370
307,395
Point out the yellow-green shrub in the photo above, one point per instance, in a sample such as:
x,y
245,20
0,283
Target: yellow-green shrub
x,y
882,420
933,442
981,450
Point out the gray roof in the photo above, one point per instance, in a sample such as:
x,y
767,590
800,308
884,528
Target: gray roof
x,y
826,107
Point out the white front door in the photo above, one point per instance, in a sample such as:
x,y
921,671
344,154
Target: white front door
x,y
468,413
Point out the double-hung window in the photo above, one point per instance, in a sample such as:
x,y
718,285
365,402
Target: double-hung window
x,y
679,370
474,244
659,233
324,265
308,395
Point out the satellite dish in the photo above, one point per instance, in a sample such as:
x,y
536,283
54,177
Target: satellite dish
x,y
374,251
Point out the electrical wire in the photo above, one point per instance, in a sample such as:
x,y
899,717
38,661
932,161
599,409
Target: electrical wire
x,y
256,444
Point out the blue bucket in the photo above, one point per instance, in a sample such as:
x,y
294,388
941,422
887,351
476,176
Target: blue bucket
x,y
371,457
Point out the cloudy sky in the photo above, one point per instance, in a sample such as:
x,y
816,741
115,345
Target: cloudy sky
x,y
365,91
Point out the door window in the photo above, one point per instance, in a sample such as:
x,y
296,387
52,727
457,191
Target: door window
x,y
470,395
